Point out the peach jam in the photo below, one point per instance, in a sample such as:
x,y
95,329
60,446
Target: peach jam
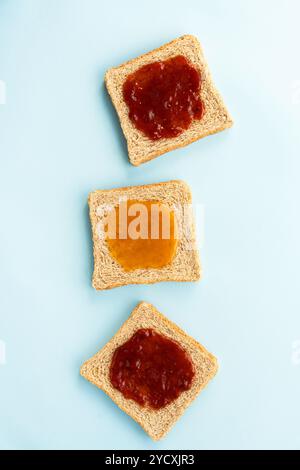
x,y
163,97
145,235
151,369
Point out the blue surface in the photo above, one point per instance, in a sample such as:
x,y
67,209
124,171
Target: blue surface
x,y
60,139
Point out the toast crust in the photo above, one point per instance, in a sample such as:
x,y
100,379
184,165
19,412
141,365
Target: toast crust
x,y
185,267
156,423
141,149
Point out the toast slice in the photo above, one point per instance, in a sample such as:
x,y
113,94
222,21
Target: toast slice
x,y
216,117
185,265
156,423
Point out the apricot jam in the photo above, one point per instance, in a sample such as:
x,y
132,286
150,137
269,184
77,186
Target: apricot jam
x,y
151,369
163,98
145,235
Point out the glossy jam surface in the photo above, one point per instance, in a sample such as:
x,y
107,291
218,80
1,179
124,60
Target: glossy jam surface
x,y
145,235
151,369
164,97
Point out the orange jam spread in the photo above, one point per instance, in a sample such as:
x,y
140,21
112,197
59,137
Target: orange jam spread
x,y
144,234
163,97
151,369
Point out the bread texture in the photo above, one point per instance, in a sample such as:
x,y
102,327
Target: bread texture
x,y
216,117
185,266
157,423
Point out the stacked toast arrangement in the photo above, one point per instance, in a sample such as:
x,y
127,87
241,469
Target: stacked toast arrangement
x,y
151,369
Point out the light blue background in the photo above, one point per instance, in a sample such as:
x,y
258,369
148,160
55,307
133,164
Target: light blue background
x,y
60,139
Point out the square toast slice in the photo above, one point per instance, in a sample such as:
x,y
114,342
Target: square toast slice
x,y
216,117
156,423
185,266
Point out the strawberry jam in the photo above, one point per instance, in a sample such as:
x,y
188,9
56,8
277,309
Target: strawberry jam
x,y
151,369
163,97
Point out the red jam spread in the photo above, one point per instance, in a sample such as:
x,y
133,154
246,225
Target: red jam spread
x,y
151,369
164,97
